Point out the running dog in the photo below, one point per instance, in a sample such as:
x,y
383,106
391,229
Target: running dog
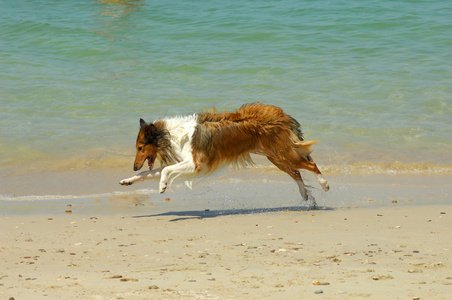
x,y
201,143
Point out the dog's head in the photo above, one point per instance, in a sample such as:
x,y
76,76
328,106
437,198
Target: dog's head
x,y
150,139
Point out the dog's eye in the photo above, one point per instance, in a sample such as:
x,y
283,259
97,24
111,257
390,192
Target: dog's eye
x,y
140,148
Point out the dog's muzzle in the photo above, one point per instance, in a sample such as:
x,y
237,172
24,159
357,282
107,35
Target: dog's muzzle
x,y
150,163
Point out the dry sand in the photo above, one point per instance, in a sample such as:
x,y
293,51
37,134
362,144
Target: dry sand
x,y
397,252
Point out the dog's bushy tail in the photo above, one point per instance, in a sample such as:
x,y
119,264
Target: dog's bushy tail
x,y
303,148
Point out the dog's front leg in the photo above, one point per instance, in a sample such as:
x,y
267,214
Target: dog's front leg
x,y
142,176
171,172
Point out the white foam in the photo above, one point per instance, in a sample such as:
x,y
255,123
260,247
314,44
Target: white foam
x,y
65,197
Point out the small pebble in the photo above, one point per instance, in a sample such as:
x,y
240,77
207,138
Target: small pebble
x,y
318,292
153,287
129,279
415,271
315,282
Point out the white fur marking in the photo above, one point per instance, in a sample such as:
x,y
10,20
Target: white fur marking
x,y
172,172
181,130
323,182
142,176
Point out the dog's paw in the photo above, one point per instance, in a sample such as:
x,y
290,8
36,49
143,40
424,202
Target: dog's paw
x,y
125,182
163,186
325,185
323,182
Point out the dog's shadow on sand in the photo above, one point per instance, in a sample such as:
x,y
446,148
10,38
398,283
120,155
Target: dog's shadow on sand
x,y
205,214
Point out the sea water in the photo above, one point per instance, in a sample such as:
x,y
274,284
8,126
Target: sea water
x,y
372,80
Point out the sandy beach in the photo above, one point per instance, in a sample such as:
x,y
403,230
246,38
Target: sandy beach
x,y
396,252
370,81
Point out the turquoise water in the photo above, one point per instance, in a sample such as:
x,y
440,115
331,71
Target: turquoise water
x,y
370,79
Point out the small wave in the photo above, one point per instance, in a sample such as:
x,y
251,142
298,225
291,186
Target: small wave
x,y
389,168
373,168
70,197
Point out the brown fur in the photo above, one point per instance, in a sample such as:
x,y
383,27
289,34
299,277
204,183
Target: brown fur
x,y
230,137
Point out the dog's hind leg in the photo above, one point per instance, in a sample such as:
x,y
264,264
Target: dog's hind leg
x,y
294,160
320,177
300,158
311,166
142,176
295,174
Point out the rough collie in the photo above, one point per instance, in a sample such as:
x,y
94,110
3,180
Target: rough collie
x,y
202,143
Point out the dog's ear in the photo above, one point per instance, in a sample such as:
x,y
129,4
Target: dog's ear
x,y
150,133
142,123
151,129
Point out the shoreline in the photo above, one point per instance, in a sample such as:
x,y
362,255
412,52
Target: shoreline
x,y
236,189
231,190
